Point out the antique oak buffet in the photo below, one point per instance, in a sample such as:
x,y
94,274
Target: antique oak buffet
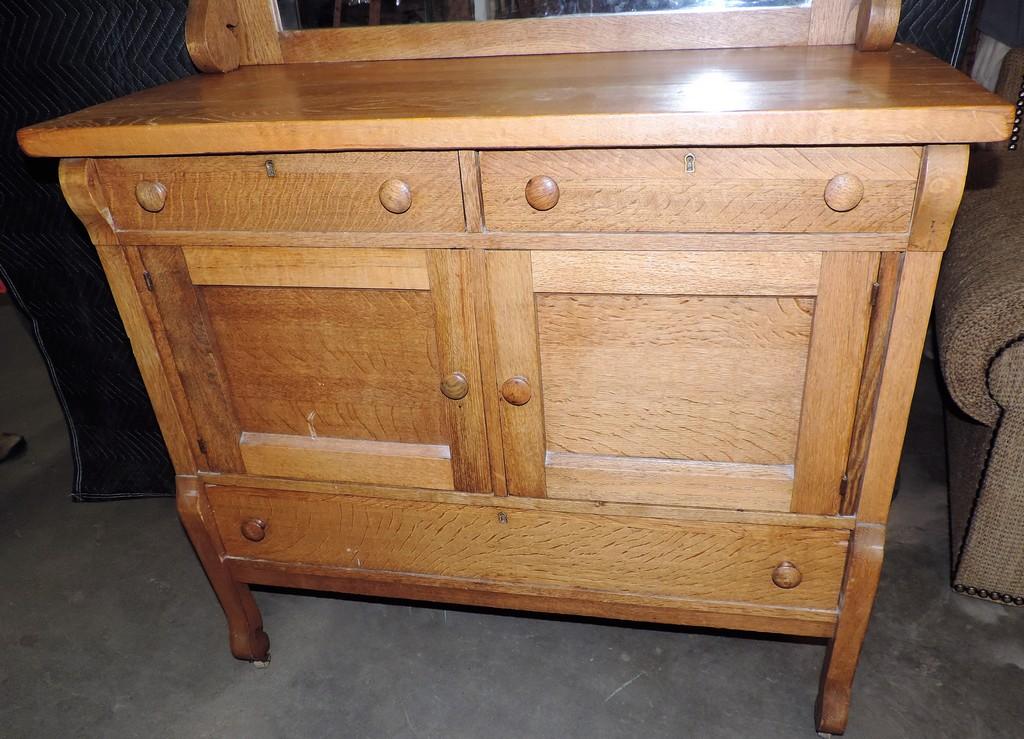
x,y
616,315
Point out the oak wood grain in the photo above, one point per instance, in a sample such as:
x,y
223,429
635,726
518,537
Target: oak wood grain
x,y
899,376
78,180
554,35
669,482
472,197
713,97
297,192
210,34
651,189
196,357
456,332
245,625
562,505
941,186
715,379
838,340
860,584
540,241
258,32
350,364
716,615
658,273
877,22
588,554
369,268
325,458
513,323
889,267
833,22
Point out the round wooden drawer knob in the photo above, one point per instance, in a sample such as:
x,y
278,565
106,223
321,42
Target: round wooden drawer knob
x,y
152,195
254,529
542,193
516,390
786,575
844,192
395,196
455,386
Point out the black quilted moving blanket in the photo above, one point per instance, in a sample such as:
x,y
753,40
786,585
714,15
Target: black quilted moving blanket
x,y
57,56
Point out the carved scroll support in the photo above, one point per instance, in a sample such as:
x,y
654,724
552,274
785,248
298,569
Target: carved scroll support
x,y
876,24
222,35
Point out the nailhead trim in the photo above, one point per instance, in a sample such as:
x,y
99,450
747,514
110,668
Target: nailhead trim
x,y
1015,134
994,595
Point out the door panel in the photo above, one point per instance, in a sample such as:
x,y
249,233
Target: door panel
x,y
681,378
356,365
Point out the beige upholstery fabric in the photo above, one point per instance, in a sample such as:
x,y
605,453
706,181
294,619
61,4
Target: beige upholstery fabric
x,y
980,330
993,555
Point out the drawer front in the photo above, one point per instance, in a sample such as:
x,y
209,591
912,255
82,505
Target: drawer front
x,y
782,190
352,191
494,547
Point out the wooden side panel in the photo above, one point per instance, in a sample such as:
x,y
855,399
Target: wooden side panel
x,y
195,356
455,321
656,273
350,364
80,185
889,267
371,462
896,389
288,192
838,339
514,328
749,487
699,378
475,546
721,189
394,269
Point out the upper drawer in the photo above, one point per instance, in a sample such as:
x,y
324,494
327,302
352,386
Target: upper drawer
x,y
352,191
866,189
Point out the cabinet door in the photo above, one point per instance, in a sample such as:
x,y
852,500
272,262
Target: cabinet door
x,y
355,365
717,379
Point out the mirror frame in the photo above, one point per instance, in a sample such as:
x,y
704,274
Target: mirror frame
x,y
225,34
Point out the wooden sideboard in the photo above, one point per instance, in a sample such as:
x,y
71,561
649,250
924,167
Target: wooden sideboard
x,y
629,334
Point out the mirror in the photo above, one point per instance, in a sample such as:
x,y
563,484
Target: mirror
x,y
299,14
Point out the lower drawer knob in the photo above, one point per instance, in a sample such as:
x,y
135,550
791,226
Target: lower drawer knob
x,y
395,196
152,195
516,390
542,192
844,192
254,529
786,575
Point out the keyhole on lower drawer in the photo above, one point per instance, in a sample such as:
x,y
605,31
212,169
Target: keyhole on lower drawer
x,y
271,169
691,163
502,517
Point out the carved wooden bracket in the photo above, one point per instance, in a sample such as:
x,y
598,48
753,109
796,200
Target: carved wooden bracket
x,y
876,24
210,34
222,35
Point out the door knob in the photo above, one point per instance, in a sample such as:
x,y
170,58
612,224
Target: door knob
x,y
516,390
455,386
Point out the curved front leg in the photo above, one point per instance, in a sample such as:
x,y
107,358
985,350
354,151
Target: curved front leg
x,y
245,625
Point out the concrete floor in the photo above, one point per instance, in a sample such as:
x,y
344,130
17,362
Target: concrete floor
x,y
109,629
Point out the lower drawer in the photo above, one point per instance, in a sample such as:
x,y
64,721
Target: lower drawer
x,y
656,562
